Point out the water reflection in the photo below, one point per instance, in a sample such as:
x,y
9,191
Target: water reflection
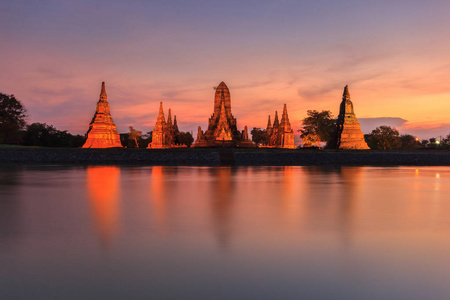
x,y
252,232
103,186
9,203
221,199
158,196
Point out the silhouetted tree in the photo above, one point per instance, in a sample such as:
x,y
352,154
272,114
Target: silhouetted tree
x,y
409,142
134,135
259,136
12,119
445,143
317,127
124,139
184,138
424,143
43,135
384,137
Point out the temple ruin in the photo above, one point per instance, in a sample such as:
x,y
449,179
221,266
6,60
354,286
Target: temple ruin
x,y
348,134
163,136
280,134
222,129
102,131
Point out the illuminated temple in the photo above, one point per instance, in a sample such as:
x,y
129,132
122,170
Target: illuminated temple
x,y
163,136
222,129
102,131
280,134
348,134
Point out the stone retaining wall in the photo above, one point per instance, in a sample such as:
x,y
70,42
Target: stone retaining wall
x,y
221,156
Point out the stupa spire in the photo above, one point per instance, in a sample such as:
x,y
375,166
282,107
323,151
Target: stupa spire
x,y
159,134
102,131
284,111
275,121
161,118
348,134
103,96
169,117
269,124
346,94
175,124
346,108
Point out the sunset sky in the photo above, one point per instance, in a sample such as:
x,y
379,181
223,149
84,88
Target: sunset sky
x,y
394,55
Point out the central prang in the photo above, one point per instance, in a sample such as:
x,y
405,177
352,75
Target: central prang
x,y
222,129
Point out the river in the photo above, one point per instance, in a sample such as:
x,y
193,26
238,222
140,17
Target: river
x,y
108,232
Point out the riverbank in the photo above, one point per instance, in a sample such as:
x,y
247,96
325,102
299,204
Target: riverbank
x,y
222,156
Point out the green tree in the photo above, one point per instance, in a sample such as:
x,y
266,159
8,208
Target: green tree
x,y
384,137
134,135
12,119
259,136
317,127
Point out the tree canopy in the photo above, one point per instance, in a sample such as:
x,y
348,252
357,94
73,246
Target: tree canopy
x,y
317,127
409,142
12,118
384,137
134,135
43,135
184,138
259,136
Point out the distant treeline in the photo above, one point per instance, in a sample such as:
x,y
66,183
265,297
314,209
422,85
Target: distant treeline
x,y
15,130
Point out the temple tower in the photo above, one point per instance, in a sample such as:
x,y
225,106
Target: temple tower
x,y
280,133
222,133
163,135
269,126
348,134
285,132
245,141
102,131
159,133
274,136
222,128
201,139
175,125
170,138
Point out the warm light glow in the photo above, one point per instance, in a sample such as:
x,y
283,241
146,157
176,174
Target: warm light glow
x,y
103,190
157,195
266,62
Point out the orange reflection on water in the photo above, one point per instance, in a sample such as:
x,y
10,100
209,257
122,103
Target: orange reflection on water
x,y
222,204
157,194
103,190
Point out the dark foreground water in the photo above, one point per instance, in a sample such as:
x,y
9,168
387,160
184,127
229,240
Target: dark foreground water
x,y
224,233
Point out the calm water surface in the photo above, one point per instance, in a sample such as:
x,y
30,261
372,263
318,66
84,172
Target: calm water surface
x,y
224,233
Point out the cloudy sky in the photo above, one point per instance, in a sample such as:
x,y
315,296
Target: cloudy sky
x,y
393,54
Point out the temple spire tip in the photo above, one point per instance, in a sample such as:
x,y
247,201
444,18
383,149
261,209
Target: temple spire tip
x,y
103,91
346,92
